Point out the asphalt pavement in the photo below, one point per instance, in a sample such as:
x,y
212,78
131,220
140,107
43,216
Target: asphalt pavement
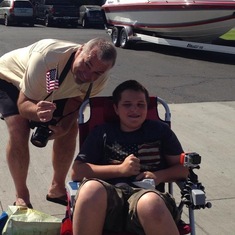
x,y
206,128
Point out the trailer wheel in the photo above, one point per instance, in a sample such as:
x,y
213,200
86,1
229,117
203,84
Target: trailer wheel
x,y
124,42
115,37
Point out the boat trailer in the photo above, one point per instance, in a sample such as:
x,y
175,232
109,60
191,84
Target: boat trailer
x,y
123,36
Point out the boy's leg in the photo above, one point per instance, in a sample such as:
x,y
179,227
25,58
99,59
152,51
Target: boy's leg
x,y
102,203
154,215
90,209
151,212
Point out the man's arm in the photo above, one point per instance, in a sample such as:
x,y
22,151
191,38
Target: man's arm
x,y
42,111
34,110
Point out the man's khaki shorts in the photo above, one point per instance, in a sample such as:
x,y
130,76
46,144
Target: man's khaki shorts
x,y
121,210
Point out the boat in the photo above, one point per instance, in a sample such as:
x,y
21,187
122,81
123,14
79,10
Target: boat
x,y
189,20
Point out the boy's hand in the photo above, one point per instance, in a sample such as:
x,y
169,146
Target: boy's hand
x,y
130,166
146,175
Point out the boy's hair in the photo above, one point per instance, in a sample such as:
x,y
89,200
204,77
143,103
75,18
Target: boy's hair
x,y
129,85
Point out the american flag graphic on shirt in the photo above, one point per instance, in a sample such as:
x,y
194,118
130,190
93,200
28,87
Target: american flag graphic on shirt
x,y
52,81
149,154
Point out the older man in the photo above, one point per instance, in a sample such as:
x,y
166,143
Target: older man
x,y
47,81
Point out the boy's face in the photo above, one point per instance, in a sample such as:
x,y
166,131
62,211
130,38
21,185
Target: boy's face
x,y
132,110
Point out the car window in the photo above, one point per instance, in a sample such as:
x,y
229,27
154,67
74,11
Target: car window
x,y
5,4
22,4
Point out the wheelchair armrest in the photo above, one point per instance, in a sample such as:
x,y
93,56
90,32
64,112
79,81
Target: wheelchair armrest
x,y
72,188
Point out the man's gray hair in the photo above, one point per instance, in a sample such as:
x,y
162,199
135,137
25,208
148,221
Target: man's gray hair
x,y
106,49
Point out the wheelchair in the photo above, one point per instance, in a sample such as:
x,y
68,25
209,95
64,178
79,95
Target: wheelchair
x,y
192,191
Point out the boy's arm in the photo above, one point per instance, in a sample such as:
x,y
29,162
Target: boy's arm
x,y
174,172
87,170
130,166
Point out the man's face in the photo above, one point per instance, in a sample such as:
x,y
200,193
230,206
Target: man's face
x,y
87,67
132,110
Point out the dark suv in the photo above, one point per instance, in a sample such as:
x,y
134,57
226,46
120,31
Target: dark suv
x,y
16,12
91,15
54,12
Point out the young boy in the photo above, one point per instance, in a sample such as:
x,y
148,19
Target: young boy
x,y
114,156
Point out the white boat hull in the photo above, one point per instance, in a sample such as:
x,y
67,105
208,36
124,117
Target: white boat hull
x,y
192,22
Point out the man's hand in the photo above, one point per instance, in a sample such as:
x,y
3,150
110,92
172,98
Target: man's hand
x,y
45,110
130,166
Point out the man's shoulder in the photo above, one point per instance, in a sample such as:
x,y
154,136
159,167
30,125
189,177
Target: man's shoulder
x,y
48,41
46,45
